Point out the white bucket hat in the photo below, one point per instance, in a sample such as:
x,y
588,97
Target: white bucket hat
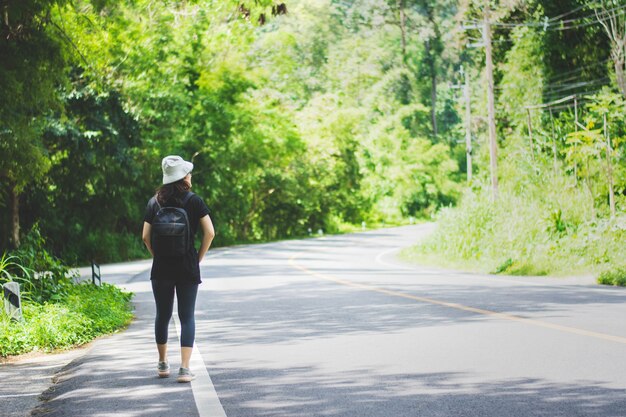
x,y
175,168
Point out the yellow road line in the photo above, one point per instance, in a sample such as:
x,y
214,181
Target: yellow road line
x,y
503,316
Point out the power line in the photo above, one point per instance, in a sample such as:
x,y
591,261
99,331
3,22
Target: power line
x,y
556,89
601,16
575,89
595,15
542,105
568,74
568,13
552,25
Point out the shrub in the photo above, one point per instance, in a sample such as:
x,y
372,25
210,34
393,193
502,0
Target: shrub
x,y
532,229
615,276
42,277
107,306
85,313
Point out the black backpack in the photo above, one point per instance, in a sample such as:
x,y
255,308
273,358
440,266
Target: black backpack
x,y
171,233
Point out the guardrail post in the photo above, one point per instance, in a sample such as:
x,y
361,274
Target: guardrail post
x,y
12,300
95,274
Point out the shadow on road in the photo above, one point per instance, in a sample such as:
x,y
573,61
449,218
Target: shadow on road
x,y
305,392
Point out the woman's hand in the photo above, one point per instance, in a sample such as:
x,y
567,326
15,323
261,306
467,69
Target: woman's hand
x,y
145,235
208,233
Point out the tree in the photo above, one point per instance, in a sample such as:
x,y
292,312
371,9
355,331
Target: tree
x,y
32,66
612,19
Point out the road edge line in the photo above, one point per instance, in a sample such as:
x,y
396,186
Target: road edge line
x,y
204,394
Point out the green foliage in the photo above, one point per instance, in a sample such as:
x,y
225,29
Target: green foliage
x,y
83,314
616,276
285,135
96,141
42,276
57,312
523,78
541,228
107,306
32,67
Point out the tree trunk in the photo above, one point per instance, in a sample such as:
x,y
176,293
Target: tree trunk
x,y
618,60
613,23
15,216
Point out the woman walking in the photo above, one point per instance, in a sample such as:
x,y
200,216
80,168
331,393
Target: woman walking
x,y
175,261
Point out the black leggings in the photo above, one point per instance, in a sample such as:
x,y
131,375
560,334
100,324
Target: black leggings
x,y
164,298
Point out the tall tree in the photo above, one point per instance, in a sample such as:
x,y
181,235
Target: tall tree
x,y
611,17
32,66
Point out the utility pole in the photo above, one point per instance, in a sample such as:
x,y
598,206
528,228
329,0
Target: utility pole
x,y
468,126
493,146
576,126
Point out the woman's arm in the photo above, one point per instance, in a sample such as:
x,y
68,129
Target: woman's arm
x,y
208,233
145,235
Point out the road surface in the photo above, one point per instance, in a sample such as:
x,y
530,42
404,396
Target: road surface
x,y
336,326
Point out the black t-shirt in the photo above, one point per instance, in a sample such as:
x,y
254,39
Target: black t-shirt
x,y
185,268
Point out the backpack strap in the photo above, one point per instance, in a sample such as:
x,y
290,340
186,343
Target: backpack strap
x,y
187,198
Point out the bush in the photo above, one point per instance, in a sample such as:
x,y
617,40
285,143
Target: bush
x,y
57,312
42,277
105,246
107,306
532,229
615,276
85,313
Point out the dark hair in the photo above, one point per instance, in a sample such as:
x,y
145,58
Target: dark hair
x,y
172,193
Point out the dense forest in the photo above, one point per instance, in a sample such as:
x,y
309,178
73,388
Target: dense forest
x,y
307,115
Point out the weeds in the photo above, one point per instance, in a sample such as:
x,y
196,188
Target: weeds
x,y
86,312
615,276
57,312
534,228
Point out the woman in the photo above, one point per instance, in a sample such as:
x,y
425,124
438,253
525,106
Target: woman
x,y
177,274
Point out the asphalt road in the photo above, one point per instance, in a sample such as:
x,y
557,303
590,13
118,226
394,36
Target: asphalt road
x,y
335,326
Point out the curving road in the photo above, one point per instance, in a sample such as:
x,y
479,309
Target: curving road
x,y
335,326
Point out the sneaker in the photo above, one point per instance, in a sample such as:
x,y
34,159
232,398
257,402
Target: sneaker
x,y
185,375
164,369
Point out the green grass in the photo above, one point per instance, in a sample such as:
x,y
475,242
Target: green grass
x,y
615,276
541,228
85,313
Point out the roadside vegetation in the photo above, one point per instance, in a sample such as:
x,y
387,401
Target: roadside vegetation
x,y
522,236
559,204
57,312
321,115
315,117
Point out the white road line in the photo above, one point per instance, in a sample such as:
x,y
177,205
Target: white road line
x,y
20,395
207,401
492,279
380,261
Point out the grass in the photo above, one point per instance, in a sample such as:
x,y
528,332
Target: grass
x,y
542,228
616,276
85,313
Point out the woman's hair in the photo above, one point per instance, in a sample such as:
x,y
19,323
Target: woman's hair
x,y
172,193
